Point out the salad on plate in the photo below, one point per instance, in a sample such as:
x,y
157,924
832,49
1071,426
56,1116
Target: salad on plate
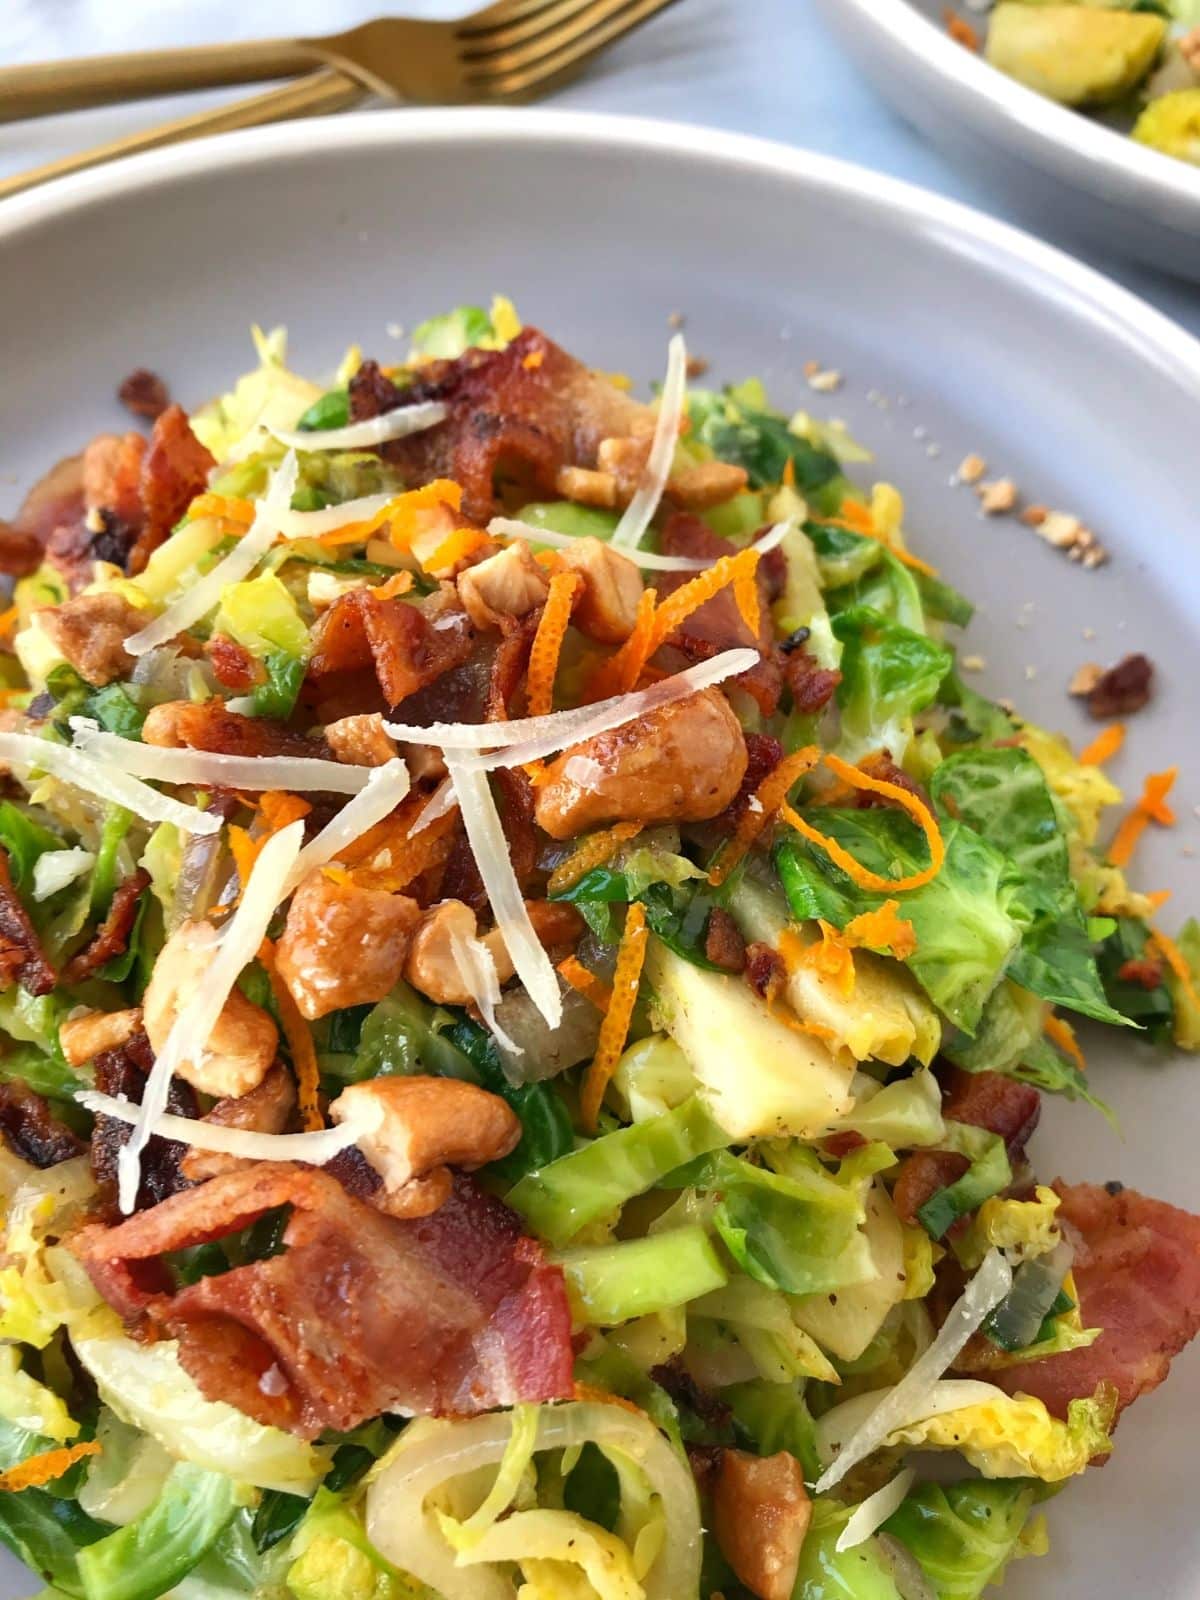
x,y
527,977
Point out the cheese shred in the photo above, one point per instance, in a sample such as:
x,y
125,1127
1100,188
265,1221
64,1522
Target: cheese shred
x,y
615,1027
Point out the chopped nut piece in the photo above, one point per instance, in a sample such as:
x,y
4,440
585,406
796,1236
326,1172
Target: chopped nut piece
x,y
1060,529
586,487
612,586
761,1513
508,584
84,1037
241,1047
90,631
412,1128
1085,678
708,484
431,965
1034,516
973,663
624,459
342,945
825,382
997,497
697,366
361,741
971,469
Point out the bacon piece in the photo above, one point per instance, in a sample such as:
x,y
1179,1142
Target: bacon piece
x,y
56,500
144,393
175,470
20,551
267,1109
123,1072
985,1100
111,938
22,959
763,755
210,725
31,1129
1123,689
1145,971
233,664
449,1314
1137,1269
681,1386
765,971
112,468
723,942
882,766
409,645
518,414
811,685
718,624
74,547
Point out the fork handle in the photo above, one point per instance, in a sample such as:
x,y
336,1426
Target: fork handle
x,y
50,86
320,92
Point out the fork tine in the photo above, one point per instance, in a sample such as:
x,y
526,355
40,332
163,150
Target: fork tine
x,y
480,24
522,29
591,25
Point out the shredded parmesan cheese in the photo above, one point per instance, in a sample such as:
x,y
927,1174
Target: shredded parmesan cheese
x,y
903,1401
300,1042
1151,807
648,560
314,1149
489,846
615,1027
234,949
99,778
207,769
639,513
1104,746
398,424
44,1468
874,1511
477,969
200,597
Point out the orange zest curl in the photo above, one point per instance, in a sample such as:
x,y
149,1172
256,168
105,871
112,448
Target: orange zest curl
x,y
548,642
391,588
279,808
762,809
388,857
856,518
622,670
7,618
299,1038
586,983
779,1012
1062,1034
1104,746
224,507
595,850
1151,806
1178,963
37,1470
882,929
862,876
615,1027
461,543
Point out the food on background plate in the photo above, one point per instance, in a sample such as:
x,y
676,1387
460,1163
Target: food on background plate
x,y
1137,59
529,978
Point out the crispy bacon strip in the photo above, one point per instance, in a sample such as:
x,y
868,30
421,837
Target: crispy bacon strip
x,y
32,1130
985,1100
22,959
1137,1269
111,938
409,646
174,471
452,1313
123,1071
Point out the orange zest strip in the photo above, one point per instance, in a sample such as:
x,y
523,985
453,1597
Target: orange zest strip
x,y
1159,897
462,542
391,587
1151,806
882,929
1062,1034
245,853
1178,963
689,597
745,593
780,1012
7,618
1104,746
857,518
299,1037
615,1026
762,809
960,30
44,1468
623,669
831,956
227,507
595,850
916,809
548,642
279,808
586,983
789,473
386,857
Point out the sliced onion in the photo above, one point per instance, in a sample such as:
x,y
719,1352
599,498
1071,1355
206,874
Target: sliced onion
x,y
508,528
407,1535
485,834
639,513
104,782
233,950
475,966
199,598
207,769
1036,1284
543,1052
397,424
314,1148
540,736
903,1401
874,1511
378,798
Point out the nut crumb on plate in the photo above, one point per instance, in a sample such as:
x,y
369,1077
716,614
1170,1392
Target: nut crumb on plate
x,y
997,497
1085,678
970,469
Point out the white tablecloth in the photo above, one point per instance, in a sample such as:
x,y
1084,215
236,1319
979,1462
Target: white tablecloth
x,y
758,66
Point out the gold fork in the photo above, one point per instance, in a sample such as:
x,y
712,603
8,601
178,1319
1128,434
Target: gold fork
x,y
511,50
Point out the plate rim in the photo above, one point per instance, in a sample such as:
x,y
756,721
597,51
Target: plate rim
x,y
1012,251
1055,137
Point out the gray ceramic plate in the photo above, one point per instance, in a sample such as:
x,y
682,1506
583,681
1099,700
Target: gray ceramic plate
x,y
1063,172
954,333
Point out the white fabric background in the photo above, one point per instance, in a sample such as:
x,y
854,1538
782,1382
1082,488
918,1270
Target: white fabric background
x,y
758,66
